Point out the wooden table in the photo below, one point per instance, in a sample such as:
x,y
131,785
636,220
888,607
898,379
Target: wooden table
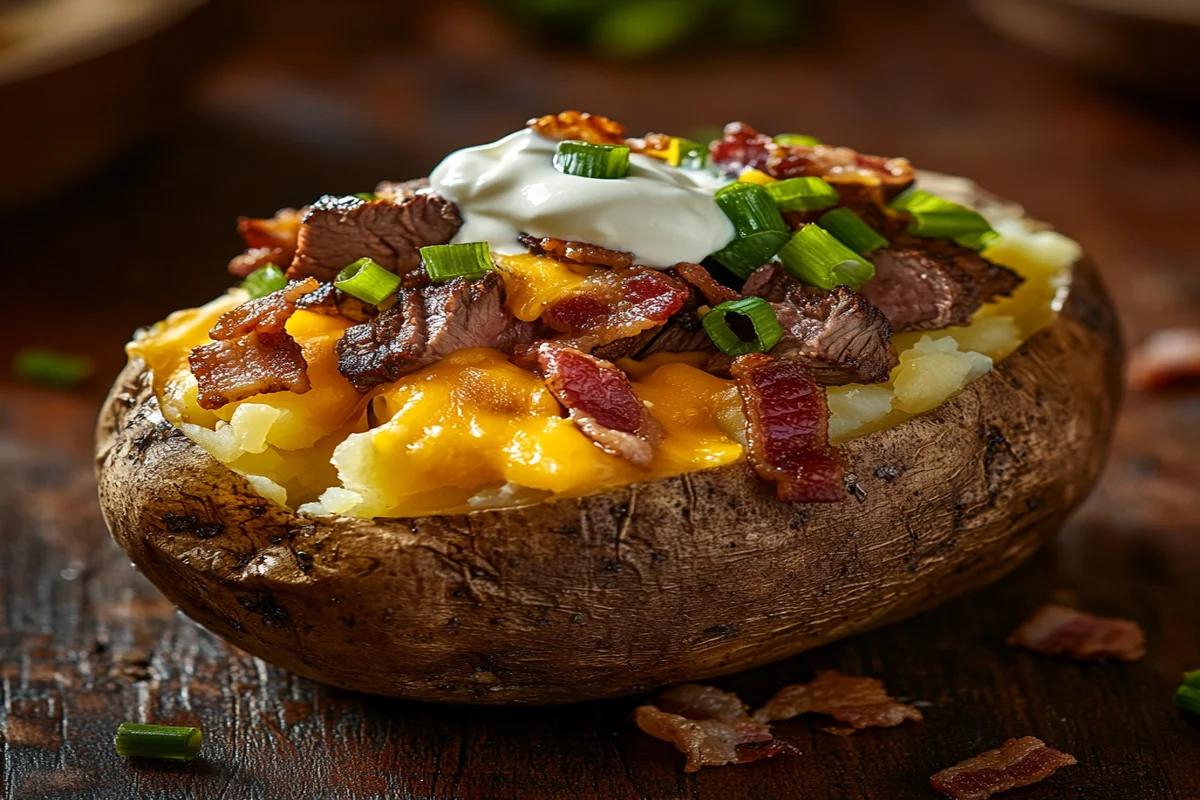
x,y
86,643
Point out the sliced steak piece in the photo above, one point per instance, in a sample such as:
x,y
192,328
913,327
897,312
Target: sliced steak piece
x,y
1018,762
714,292
576,252
333,302
859,702
252,353
787,427
771,283
709,726
340,230
270,240
1056,630
930,284
426,324
616,304
599,400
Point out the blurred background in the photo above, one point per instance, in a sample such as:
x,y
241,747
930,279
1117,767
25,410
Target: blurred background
x,y
136,131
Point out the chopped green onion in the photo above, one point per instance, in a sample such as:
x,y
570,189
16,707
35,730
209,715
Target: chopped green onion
x,y
761,230
851,231
788,139
158,741
587,160
767,330
366,197
936,217
45,367
263,281
802,194
444,262
1188,698
687,154
815,257
747,253
1192,679
367,281
977,241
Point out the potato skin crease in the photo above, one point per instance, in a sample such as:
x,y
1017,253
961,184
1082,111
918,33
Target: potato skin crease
x,y
680,579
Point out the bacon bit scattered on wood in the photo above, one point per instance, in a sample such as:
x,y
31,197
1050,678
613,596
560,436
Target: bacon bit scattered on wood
x,y
715,293
788,429
857,701
710,726
1018,762
579,125
576,252
1056,630
1168,359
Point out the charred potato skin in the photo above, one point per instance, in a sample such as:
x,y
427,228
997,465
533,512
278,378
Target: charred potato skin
x,y
680,579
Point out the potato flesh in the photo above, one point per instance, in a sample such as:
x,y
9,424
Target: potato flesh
x,y
445,446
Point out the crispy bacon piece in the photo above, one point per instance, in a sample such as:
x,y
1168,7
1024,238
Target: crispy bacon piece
x,y
709,726
252,353
333,302
1168,359
859,702
788,429
269,240
1056,630
615,304
600,401
1017,762
652,144
579,125
715,293
742,146
576,252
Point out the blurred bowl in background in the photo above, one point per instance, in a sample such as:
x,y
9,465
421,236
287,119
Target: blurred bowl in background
x,y
1151,44
81,80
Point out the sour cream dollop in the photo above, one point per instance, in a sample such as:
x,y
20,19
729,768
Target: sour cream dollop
x,y
662,214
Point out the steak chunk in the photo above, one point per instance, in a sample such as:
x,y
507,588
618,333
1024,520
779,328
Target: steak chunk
x,y
859,702
426,324
340,230
333,302
576,252
934,285
600,401
1018,762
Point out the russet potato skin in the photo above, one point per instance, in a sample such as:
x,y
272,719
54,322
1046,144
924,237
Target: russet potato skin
x,y
679,579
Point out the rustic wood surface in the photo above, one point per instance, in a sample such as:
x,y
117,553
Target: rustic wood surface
x,y
86,643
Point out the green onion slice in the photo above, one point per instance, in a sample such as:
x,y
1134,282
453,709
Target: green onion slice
x,y
263,281
1192,679
802,194
803,140
444,262
848,228
750,208
687,154
366,197
45,367
367,281
815,257
1188,698
158,741
936,217
977,241
747,253
587,160
766,327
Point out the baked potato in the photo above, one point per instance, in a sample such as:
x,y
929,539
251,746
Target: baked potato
x,y
570,595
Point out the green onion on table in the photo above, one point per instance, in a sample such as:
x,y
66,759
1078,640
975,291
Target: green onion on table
x,y
158,741
46,367
1187,696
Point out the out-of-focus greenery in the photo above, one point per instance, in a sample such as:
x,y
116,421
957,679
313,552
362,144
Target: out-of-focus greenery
x,y
635,28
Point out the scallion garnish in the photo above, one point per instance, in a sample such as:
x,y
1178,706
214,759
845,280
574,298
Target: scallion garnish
x,y
444,262
44,367
1192,679
788,139
848,228
802,194
761,230
366,197
587,160
815,257
977,241
936,217
158,741
747,253
367,281
263,281
1188,697
687,154
765,326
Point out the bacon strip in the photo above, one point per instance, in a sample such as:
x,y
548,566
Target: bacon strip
x,y
788,429
1018,762
1056,630
270,240
709,726
715,293
600,402
252,353
859,702
576,252
615,304
579,125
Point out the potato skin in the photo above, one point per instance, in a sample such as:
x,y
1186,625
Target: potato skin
x,y
679,579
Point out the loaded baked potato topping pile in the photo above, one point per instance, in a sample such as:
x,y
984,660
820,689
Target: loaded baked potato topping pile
x,y
568,309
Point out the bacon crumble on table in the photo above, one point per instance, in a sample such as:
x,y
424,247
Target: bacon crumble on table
x,y
787,427
1056,630
1016,763
859,702
709,726
1167,359
579,125
616,304
576,252
252,352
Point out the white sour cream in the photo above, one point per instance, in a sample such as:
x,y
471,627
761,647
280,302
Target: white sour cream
x,y
660,213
